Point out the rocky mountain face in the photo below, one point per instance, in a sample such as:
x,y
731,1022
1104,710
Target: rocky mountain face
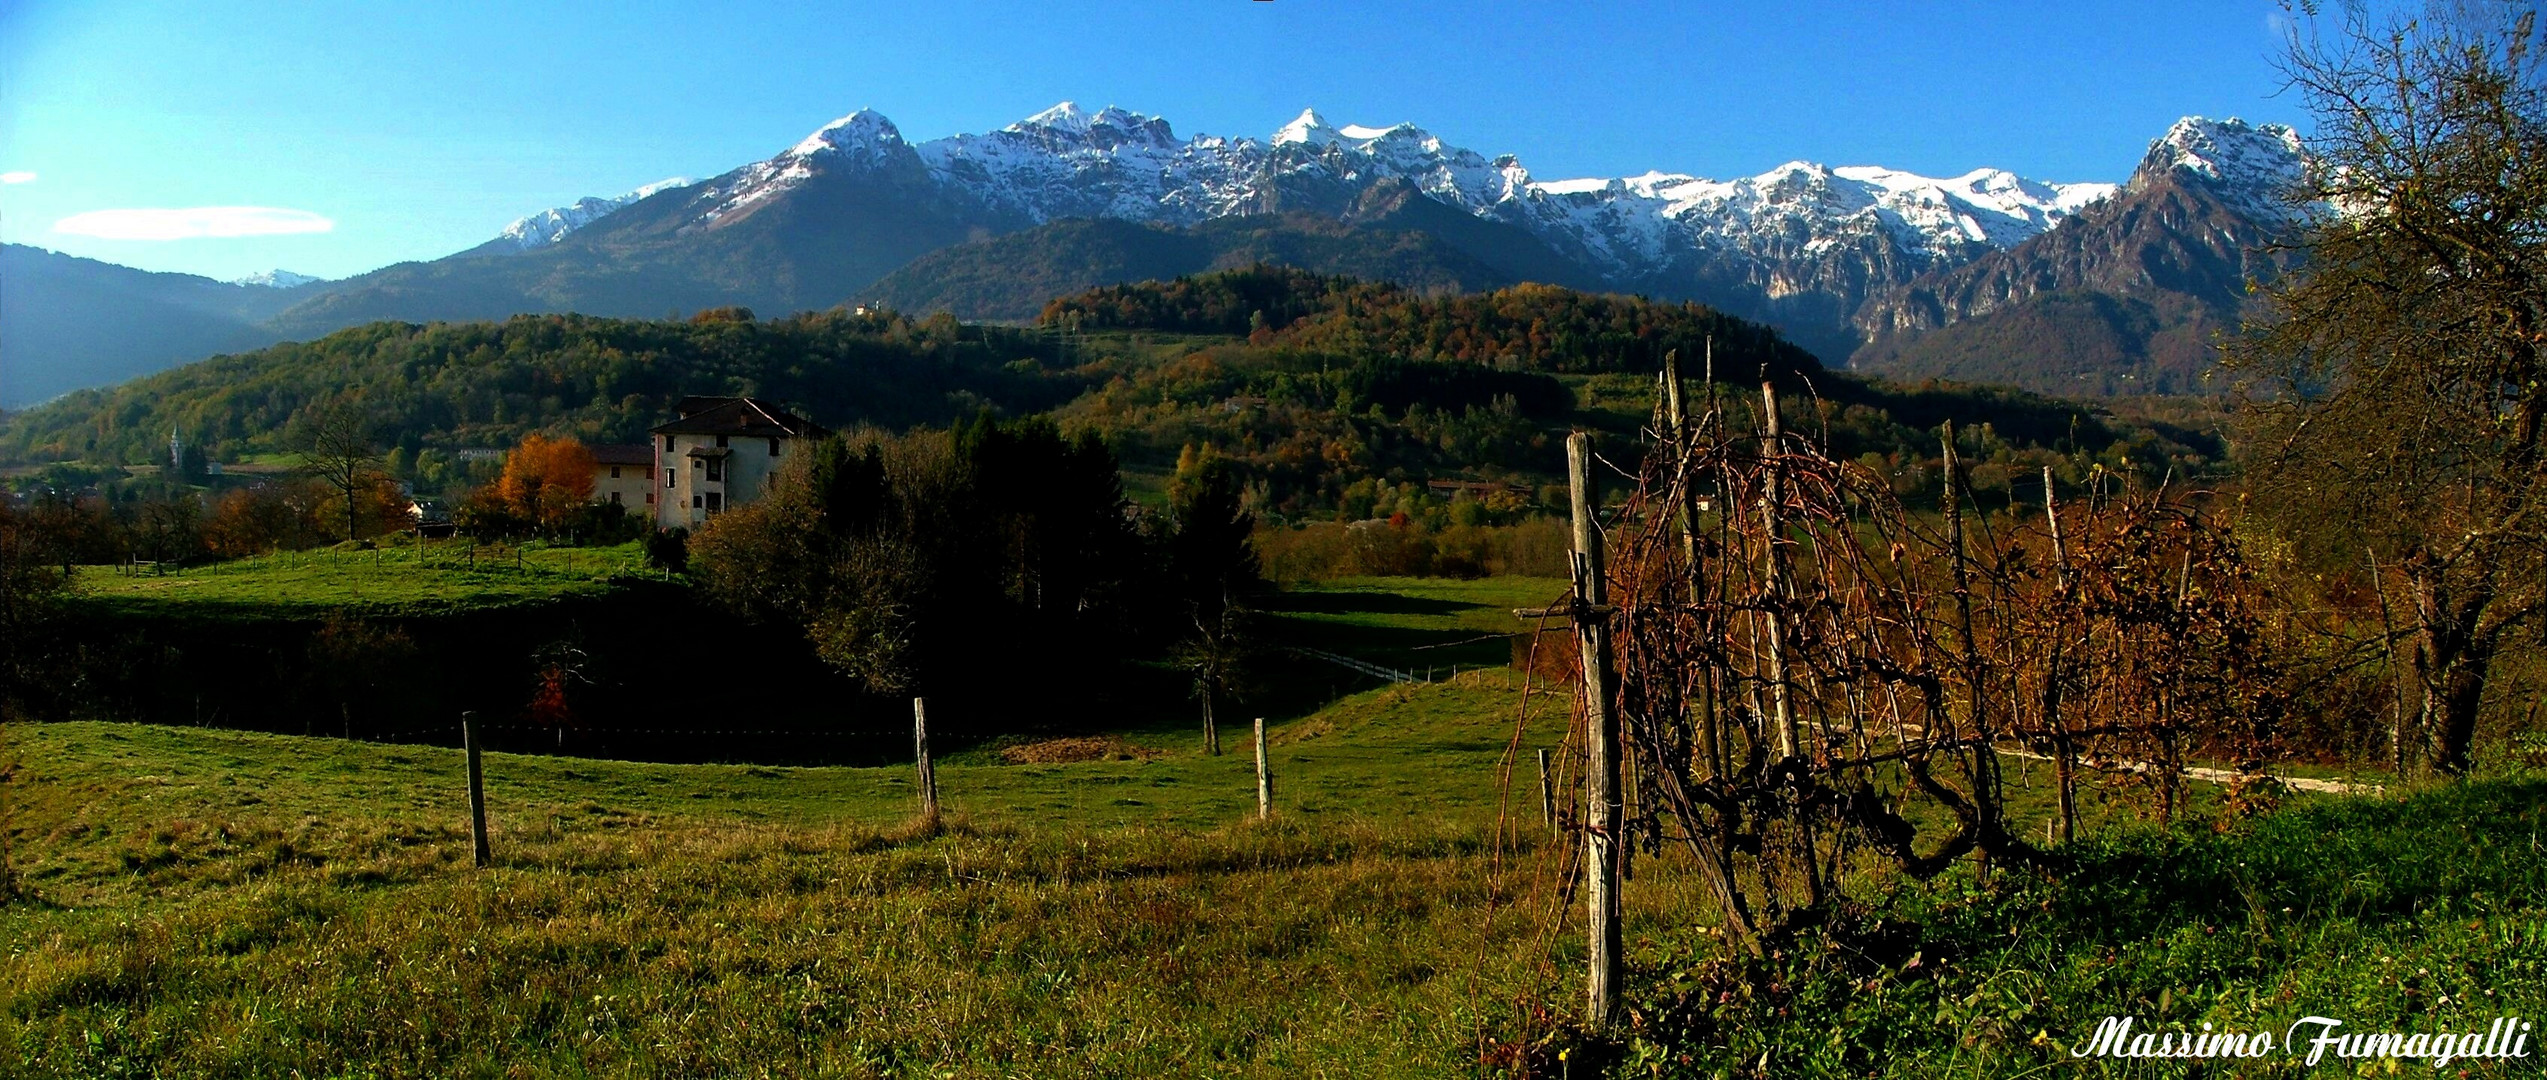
x,y
2124,297
1392,233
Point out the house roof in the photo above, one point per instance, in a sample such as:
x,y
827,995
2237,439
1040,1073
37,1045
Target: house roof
x,y
623,454
736,416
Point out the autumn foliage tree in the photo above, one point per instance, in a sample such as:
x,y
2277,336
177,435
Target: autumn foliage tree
x,y
546,481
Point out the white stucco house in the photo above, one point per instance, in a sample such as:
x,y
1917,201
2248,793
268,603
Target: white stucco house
x,y
720,454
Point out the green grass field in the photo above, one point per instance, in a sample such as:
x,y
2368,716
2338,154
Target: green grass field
x,y
1415,624
405,579
221,903
214,903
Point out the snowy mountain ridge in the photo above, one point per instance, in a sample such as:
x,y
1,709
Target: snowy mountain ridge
x,y
1802,245
1067,161
550,226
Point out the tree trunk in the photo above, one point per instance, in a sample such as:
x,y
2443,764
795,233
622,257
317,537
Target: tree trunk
x,y
2451,697
1211,731
2452,661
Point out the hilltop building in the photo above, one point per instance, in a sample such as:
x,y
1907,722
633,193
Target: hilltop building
x,y
720,454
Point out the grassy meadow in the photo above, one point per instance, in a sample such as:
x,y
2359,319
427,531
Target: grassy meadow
x,y
222,903
204,902
406,578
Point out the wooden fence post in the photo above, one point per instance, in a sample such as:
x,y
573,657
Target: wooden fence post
x,y
477,788
1264,776
920,747
1601,731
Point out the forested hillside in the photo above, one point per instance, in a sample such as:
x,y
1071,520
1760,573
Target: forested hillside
x,y
1532,327
1328,395
454,385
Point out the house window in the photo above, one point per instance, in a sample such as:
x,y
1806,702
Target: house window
x,y
720,442
773,448
649,498
715,502
614,472
695,502
716,469
669,476
614,498
667,444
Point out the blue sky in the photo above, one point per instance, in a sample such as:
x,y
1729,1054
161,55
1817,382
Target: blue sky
x,y
412,130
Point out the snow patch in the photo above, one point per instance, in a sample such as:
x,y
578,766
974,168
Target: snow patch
x,y
276,279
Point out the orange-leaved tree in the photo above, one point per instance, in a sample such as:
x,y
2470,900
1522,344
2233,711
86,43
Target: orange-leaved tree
x,y
546,480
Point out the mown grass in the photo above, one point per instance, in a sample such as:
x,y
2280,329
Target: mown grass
x,y
404,579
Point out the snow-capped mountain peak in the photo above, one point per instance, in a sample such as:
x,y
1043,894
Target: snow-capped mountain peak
x,y
864,136
276,279
1067,126
2253,167
1067,116
861,141
1308,127
550,226
1313,130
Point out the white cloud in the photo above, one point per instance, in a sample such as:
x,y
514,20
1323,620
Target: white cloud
x,y
190,222
19,177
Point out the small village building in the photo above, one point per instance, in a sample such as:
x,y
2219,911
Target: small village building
x,y
719,455
623,474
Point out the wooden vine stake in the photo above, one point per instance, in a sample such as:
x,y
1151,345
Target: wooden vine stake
x,y
2063,748
1773,568
1601,739
1547,796
1684,447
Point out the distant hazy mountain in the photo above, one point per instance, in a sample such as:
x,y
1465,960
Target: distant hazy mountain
x,y
68,322
2125,297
